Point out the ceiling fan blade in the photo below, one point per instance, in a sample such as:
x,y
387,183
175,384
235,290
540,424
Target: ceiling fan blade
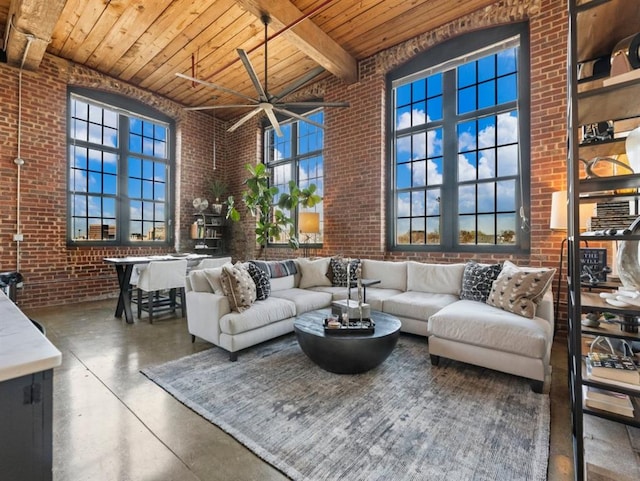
x,y
251,114
273,120
252,75
288,105
277,108
216,86
211,107
300,82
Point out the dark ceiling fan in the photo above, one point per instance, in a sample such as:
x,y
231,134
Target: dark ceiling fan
x,y
267,103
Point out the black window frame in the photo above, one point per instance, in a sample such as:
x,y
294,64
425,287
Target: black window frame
x,y
466,44
125,107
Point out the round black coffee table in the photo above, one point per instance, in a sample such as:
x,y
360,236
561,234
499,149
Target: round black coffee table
x,y
346,353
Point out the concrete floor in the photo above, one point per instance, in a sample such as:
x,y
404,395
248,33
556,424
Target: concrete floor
x,y
111,423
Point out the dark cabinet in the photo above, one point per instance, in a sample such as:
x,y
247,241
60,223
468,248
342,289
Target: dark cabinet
x,y
26,427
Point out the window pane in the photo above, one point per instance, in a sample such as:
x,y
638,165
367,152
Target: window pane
x,y
418,203
507,128
403,176
403,202
467,199
508,160
506,226
486,164
467,136
418,230
467,74
433,202
507,89
486,68
486,94
467,166
467,100
486,229
403,227
486,197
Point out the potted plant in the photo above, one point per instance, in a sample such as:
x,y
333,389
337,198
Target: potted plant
x,y
217,188
272,221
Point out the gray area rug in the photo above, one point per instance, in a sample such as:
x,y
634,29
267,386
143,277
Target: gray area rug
x,y
404,420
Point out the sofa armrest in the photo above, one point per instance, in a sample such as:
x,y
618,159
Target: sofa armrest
x,y
204,310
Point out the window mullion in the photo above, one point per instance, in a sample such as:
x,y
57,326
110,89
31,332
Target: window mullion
x,y
449,195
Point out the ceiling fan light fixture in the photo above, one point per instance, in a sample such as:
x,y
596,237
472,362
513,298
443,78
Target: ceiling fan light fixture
x,y
266,103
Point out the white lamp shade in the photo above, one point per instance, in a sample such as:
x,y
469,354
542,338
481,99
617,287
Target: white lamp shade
x,y
558,219
309,222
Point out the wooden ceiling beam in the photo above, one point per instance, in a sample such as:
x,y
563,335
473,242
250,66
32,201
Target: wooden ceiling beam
x,y
306,36
30,24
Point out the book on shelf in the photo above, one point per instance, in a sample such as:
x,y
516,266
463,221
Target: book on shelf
x,y
612,366
620,405
613,383
604,395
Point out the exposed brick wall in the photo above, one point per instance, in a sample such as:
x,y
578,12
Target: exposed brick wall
x,y
54,273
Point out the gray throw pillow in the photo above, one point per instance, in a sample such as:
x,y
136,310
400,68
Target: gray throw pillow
x,y
477,280
338,269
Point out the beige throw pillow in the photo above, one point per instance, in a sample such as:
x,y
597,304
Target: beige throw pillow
x,y
509,267
238,286
519,291
314,272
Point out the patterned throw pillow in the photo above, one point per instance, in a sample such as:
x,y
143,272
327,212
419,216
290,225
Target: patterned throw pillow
x,y
477,280
260,279
338,269
517,291
277,269
238,286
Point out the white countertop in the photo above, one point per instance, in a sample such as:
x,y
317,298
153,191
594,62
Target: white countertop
x,y
23,348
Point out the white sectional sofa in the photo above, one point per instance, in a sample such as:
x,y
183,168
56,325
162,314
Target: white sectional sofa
x,y
425,297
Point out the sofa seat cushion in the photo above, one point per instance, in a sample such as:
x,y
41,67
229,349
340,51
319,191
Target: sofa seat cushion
x,y
261,313
417,305
376,296
337,293
305,300
479,324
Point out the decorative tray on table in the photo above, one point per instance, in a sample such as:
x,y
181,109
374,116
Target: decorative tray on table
x,y
364,326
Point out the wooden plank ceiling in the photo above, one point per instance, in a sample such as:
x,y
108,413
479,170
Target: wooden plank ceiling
x,y
147,42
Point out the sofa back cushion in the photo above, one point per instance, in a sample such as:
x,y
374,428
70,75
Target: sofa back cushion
x,y
392,275
206,280
313,273
434,278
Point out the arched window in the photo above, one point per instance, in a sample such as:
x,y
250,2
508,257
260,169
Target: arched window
x,y
459,145
121,162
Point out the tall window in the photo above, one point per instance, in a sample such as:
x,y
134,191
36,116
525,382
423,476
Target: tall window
x,y
119,171
298,155
459,147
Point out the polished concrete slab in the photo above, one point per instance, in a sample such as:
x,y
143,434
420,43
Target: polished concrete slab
x,y
112,423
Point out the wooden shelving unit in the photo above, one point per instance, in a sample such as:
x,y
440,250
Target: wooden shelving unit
x,y
208,232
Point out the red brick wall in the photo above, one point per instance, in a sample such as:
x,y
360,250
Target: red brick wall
x,y
54,273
